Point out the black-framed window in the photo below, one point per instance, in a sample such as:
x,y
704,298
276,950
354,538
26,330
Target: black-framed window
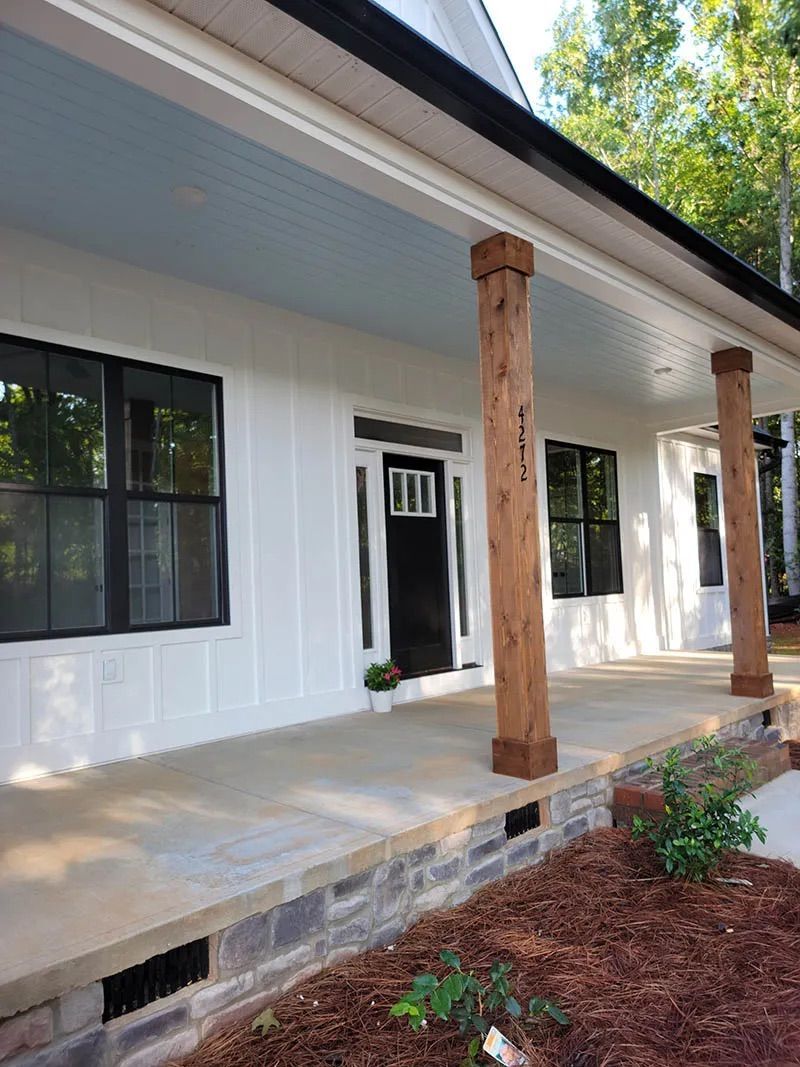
x,y
709,545
111,494
583,510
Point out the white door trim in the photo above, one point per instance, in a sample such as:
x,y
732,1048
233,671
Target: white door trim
x,y
369,454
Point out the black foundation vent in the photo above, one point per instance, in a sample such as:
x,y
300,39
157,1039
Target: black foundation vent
x,y
520,820
157,977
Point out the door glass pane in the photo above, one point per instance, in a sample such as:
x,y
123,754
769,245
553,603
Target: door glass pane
x,y
411,494
150,562
564,481
148,430
23,415
601,485
76,453
397,492
23,582
363,558
401,433
604,567
463,606
194,436
425,494
566,558
76,562
196,561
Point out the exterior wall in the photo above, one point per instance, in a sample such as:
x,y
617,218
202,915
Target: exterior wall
x,y
585,630
428,19
695,617
292,651
462,28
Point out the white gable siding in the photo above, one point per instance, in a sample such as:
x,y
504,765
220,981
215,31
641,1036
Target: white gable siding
x,y
462,28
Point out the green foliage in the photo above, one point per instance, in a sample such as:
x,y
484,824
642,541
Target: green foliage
x,y
616,85
540,1006
381,677
716,138
698,829
265,1022
462,998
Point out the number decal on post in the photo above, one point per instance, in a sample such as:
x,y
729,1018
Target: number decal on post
x,y
523,440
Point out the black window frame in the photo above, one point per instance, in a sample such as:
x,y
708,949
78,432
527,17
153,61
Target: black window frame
x,y
713,480
116,495
585,521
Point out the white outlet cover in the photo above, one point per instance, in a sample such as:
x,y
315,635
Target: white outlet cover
x,y
112,669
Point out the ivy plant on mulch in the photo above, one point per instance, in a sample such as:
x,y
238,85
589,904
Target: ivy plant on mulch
x,y
650,972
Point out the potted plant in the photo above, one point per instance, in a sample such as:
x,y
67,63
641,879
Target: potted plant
x,y
382,679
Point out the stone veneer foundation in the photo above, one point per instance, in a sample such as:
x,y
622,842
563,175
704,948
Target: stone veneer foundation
x,y
259,958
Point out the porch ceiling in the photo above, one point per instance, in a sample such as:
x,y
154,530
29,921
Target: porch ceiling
x,y
91,161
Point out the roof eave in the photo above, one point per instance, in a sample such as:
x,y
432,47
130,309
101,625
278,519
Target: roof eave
x,y
390,46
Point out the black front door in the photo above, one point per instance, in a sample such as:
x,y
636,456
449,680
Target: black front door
x,y
416,549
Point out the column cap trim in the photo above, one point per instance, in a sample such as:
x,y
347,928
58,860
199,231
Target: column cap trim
x,y
501,250
731,359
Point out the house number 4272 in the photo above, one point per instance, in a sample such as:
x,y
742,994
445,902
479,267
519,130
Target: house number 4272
x,y
523,441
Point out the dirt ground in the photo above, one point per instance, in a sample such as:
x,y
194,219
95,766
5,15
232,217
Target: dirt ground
x,y
650,972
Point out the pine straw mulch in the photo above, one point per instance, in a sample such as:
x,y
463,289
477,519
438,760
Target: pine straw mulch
x,y
643,967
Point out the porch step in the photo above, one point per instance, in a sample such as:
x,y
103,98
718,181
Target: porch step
x,y
642,795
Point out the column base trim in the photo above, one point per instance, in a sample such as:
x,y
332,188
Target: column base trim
x,y
752,685
524,759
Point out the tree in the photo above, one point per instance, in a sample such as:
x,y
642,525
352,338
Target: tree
x,y
717,140
616,85
755,92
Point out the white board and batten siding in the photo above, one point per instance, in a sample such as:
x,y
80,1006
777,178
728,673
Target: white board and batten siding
x,y
694,617
292,651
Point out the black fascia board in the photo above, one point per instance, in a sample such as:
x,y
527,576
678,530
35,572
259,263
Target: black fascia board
x,y
391,47
761,437
769,440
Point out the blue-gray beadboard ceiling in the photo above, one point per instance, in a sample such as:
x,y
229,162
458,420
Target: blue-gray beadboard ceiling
x,y
90,160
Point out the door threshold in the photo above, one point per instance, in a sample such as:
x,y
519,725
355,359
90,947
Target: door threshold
x,y
439,671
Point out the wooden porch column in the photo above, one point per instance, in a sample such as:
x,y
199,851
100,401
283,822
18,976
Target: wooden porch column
x,y
751,677
502,266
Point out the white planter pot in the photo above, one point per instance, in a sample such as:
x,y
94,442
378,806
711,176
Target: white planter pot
x,y
381,702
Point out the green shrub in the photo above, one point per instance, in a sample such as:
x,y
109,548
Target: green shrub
x,y
461,998
697,830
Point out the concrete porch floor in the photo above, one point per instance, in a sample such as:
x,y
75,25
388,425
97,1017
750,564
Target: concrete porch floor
x,y
104,867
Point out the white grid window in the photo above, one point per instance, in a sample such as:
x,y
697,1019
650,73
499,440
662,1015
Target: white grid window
x,y
412,493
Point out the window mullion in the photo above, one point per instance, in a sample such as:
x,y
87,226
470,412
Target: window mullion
x,y
117,595
587,566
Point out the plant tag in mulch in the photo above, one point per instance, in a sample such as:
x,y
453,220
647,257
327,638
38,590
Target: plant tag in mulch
x,y
501,1049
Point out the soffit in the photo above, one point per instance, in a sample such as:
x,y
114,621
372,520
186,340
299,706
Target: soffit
x,y
281,233
279,42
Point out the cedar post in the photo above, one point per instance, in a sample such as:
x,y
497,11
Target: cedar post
x,y
751,677
502,266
